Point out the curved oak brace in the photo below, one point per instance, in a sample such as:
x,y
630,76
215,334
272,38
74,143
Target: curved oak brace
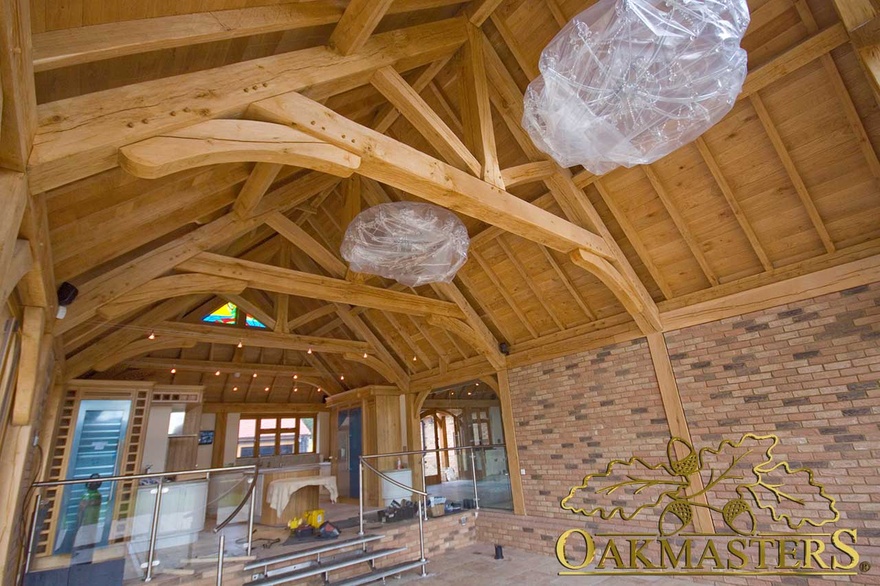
x,y
490,382
167,287
141,347
375,364
644,311
234,141
420,401
466,333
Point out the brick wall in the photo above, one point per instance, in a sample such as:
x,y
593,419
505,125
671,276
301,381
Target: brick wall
x,y
808,372
568,413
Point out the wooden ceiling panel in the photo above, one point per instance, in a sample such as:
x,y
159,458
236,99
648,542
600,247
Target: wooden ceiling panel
x,y
560,296
706,214
761,186
112,73
509,326
766,39
641,214
859,90
530,25
623,242
118,227
825,148
509,266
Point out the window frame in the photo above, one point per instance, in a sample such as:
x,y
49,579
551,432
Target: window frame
x,y
277,431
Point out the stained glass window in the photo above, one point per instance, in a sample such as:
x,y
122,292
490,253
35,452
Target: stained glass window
x,y
230,314
253,322
225,314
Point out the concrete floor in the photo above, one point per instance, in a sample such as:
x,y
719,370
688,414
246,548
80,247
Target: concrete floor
x,y
476,565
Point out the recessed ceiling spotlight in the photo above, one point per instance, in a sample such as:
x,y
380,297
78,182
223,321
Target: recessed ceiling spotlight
x,y
152,335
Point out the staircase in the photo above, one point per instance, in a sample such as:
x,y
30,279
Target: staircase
x,y
326,558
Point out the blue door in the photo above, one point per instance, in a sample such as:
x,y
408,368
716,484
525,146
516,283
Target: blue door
x,y
98,437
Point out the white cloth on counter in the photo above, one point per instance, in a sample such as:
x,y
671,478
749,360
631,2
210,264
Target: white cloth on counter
x,y
280,491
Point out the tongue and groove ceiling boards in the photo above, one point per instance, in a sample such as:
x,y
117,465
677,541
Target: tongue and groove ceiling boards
x,y
204,152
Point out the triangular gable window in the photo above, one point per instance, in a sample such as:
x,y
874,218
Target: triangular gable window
x,y
230,314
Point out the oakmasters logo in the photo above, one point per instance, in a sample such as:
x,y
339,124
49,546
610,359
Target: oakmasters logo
x,y
731,509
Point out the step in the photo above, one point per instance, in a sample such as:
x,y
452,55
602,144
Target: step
x,y
323,567
317,550
380,573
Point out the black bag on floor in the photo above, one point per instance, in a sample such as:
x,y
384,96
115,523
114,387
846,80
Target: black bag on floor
x,y
327,531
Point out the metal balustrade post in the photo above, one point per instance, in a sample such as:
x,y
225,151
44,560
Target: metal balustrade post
x,y
154,530
220,553
474,476
361,495
423,504
31,533
425,483
251,505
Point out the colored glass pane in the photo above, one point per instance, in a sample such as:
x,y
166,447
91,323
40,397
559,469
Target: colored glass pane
x,y
223,315
253,322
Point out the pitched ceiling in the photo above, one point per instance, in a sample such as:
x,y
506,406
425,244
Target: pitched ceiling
x,y
785,185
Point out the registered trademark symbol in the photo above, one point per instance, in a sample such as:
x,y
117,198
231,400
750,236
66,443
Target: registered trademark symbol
x,y
864,567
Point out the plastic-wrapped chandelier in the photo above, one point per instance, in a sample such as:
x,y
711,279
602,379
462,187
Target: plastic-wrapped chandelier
x,y
412,243
627,82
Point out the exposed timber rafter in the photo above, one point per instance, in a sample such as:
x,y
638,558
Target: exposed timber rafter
x,y
233,141
290,282
108,286
394,163
257,338
139,348
330,263
466,333
166,288
360,19
476,111
87,44
615,268
72,143
93,350
212,366
407,100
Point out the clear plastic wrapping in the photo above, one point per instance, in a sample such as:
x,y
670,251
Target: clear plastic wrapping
x,y
412,243
627,82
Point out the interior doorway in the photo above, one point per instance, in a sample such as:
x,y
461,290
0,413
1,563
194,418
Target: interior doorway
x,y
468,414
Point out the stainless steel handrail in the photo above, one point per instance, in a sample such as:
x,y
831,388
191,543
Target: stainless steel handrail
x,y
394,482
414,452
154,524
423,495
250,493
48,483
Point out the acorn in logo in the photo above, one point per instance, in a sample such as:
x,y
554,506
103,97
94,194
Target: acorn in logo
x,y
675,515
732,513
688,465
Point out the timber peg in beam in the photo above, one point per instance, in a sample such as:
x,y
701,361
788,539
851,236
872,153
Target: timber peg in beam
x,y
234,141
